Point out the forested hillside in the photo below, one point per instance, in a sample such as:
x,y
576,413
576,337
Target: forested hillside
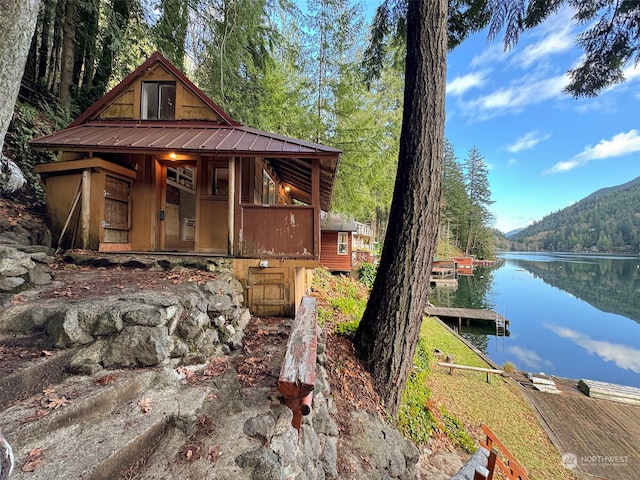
x,y
605,221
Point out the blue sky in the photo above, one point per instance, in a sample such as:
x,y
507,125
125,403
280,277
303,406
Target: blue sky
x,y
544,149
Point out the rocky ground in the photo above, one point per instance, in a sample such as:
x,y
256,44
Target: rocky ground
x,y
237,413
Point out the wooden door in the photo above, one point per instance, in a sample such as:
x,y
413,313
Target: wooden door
x,y
269,292
117,210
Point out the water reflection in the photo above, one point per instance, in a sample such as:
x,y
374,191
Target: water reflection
x,y
623,356
610,284
574,316
528,358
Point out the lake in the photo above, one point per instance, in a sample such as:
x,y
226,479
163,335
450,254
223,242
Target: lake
x,y
573,316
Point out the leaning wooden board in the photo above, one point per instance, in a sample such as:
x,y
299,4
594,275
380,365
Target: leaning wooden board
x,y
610,391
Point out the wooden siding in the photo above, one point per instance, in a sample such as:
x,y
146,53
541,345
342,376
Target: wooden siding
x,y
188,106
329,257
122,107
213,226
277,231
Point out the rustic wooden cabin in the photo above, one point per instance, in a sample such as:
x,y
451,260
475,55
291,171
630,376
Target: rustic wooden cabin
x,y
336,241
157,166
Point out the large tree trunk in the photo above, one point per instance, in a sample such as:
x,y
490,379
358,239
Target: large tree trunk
x,y
17,23
388,333
68,53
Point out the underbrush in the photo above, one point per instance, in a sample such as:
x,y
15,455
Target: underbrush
x,y
341,303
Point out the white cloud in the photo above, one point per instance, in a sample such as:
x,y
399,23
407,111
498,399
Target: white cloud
x,y
623,356
620,144
516,96
526,142
494,53
552,43
632,72
528,357
461,84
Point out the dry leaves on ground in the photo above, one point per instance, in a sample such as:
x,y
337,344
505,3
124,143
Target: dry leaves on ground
x,y
51,399
145,405
33,461
106,380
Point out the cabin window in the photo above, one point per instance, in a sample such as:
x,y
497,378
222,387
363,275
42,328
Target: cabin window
x,y
220,181
158,101
343,243
268,189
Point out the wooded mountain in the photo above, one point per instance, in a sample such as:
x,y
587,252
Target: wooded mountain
x,y
608,220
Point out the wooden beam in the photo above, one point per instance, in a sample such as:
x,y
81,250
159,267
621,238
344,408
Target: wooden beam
x,y
315,200
231,202
298,372
85,208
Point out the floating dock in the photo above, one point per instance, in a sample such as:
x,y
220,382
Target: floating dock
x,y
464,316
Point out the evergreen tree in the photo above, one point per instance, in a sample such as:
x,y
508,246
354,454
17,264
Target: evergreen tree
x,y
455,201
479,193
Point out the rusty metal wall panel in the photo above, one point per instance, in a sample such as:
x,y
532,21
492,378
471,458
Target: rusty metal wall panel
x,y
277,230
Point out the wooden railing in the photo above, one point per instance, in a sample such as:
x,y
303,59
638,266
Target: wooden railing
x,y
497,452
286,231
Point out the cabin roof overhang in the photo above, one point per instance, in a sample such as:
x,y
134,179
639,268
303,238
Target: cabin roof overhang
x,y
291,158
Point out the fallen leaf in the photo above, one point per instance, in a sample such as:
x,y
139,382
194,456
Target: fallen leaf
x,y
54,402
106,380
34,460
145,405
214,453
17,299
189,376
36,416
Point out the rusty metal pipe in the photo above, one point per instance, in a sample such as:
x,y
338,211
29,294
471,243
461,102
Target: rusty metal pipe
x,y
305,404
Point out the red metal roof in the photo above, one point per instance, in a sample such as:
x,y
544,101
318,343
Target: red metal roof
x,y
184,137
290,158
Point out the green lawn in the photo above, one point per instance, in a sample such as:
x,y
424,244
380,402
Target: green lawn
x,y
498,404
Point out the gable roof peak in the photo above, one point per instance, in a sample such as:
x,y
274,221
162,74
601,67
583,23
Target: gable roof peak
x,y
156,58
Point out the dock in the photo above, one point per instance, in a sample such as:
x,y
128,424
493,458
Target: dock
x,y
601,435
464,316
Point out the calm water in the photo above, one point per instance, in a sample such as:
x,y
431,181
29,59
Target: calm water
x,y
575,316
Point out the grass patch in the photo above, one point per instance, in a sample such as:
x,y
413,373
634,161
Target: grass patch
x,y
469,398
346,299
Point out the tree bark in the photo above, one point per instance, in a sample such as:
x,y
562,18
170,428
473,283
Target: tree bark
x,y
17,23
68,49
387,337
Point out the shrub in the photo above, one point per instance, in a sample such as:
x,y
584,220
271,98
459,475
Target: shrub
x,y
347,328
509,367
456,432
367,274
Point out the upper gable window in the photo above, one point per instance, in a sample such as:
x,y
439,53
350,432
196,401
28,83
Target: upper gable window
x,y
158,101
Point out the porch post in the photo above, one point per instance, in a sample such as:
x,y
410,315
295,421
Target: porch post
x,y
85,208
231,204
315,200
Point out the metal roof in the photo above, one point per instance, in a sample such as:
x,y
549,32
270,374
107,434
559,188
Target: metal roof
x,y
290,158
